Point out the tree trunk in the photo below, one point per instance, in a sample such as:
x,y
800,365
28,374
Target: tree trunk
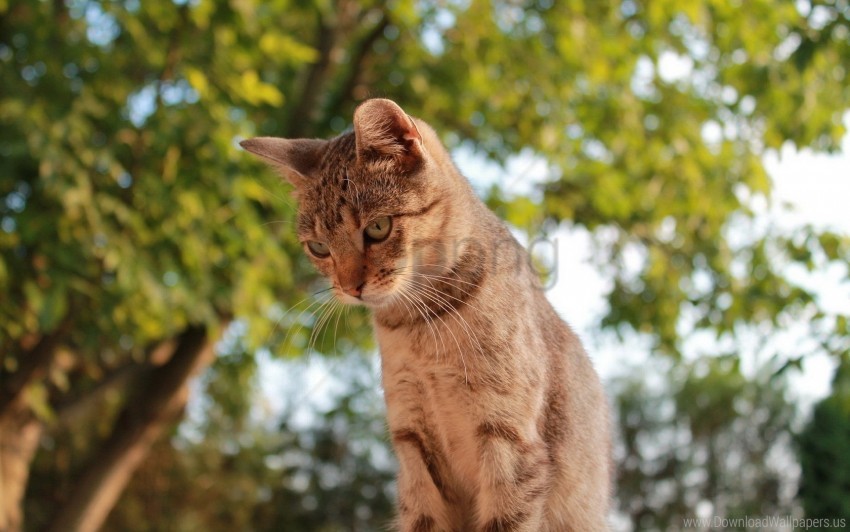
x,y
303,116
159,400
19,435
20,429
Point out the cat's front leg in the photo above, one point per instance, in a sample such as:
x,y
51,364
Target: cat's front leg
x,y
514,479
422,491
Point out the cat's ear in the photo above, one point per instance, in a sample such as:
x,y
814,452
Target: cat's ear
x,y
296,159
383,130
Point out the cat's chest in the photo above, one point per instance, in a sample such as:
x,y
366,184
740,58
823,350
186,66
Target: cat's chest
x,y
433,360
433,370
432,391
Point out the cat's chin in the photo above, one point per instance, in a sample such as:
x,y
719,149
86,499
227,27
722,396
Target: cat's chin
x,y
372,301
375,302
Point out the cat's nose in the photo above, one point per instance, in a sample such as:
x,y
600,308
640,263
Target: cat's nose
x,y
351,273
354,291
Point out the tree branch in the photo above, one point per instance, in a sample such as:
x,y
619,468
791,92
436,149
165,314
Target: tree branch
x,y
344,19
72,410
345,91
302,117
33,365
159,398
75,410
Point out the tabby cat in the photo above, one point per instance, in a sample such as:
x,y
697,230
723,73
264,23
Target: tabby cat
x,y
495,412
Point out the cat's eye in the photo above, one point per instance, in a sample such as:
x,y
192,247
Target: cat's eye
x,y
318,249
379,228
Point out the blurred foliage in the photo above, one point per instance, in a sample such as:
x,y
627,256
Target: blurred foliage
x,y
822,448
706,439
333,474
232,465
127,212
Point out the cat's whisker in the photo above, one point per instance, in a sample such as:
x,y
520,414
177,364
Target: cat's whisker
x,y
335,307
326,314
443,293
290,309
423,312
433,294
449,329
450,280
397,297
436,293
277,222
297,321
347,313
339,313
298,324
437,297
435,331
323,311
318,316
408,304
444,278
278,196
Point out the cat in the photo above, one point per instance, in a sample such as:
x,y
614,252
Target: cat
x,y
495,413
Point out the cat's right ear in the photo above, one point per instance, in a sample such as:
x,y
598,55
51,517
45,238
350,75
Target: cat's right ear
x,y
295,159
383,130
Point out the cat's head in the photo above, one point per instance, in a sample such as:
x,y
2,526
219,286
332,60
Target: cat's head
x,y
372,203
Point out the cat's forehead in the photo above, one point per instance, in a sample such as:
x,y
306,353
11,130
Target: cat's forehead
x,y
340,153
345,192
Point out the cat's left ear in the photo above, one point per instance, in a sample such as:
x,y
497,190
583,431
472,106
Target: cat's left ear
x,y
296,159
383,130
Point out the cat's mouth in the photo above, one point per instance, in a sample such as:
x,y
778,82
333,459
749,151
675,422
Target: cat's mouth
x,y
367,297
403,286
381,289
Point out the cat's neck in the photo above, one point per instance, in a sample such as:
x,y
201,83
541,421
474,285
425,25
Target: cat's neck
x,y
487,260
435,292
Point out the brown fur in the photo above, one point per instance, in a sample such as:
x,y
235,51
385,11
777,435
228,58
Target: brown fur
x,y
496,414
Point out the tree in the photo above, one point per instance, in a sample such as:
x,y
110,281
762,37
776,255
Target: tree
x,y
132,230
708,438
129,239
822,448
